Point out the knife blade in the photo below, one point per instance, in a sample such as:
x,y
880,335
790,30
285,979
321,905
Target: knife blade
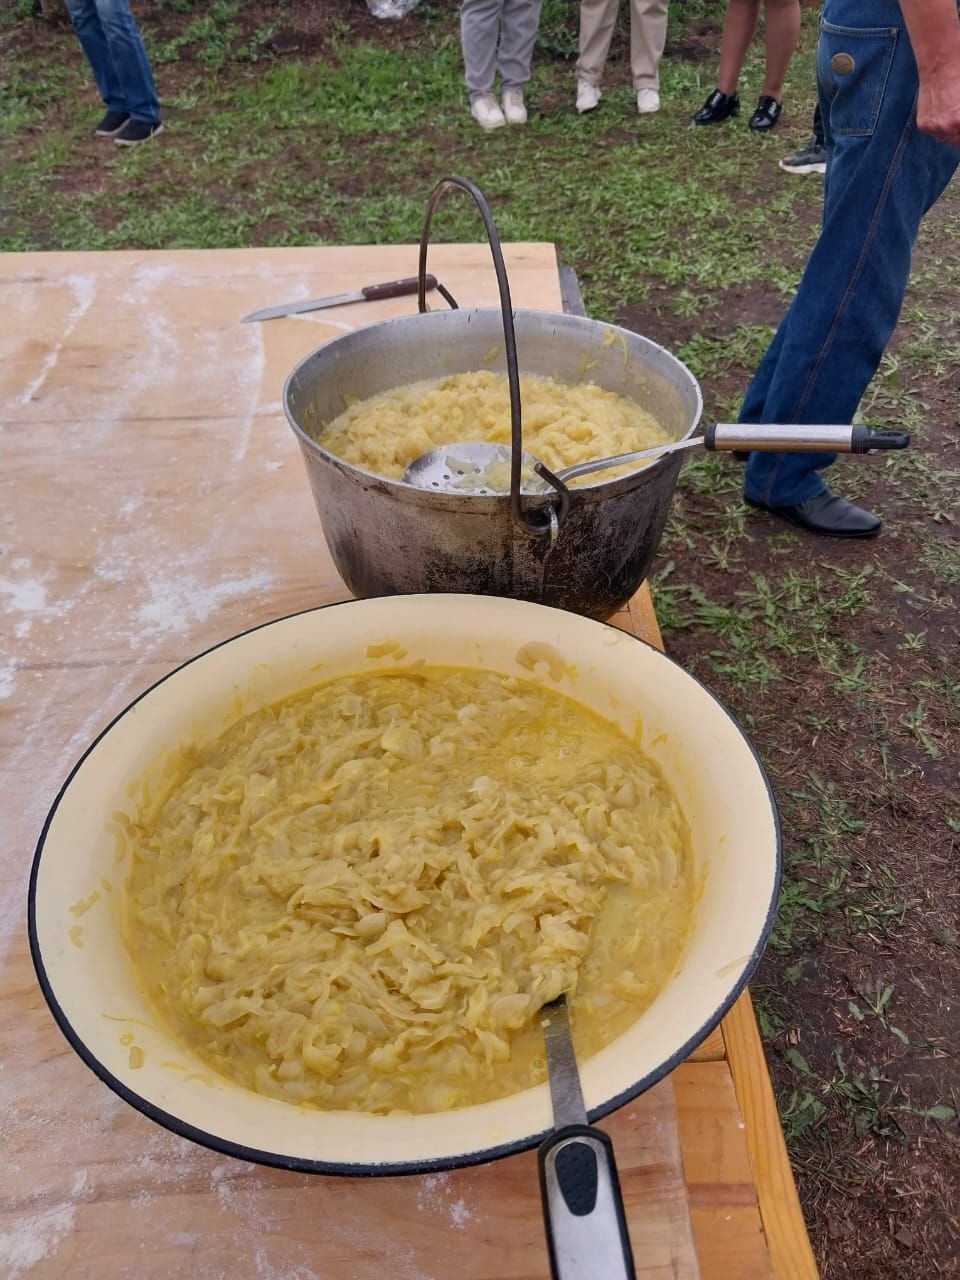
x,y
369,293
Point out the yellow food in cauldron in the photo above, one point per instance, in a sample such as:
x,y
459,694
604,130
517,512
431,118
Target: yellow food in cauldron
x,y
360,897
563,423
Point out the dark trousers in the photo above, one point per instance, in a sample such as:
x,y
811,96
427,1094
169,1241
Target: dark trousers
x,y
110,37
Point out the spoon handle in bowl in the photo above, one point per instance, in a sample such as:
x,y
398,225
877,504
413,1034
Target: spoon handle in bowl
x,y
582,1206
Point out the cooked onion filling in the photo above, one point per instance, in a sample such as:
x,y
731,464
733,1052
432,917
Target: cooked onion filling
x,y
563,423
361,896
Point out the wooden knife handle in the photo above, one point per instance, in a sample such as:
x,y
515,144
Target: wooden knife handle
x,y
396,288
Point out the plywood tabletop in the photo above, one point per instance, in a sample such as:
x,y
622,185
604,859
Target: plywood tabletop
x,y
154,503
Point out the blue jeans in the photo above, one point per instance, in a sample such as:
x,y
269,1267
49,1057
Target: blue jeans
x,y
112,42
883,175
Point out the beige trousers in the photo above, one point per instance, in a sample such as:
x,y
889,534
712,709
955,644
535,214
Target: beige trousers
x,y
648,34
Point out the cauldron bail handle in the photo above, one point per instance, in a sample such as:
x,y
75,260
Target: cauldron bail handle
x,y
538,527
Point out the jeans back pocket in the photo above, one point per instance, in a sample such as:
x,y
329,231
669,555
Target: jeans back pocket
x,y
853,64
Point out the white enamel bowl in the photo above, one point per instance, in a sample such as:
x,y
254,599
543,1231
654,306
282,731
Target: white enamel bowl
x,y
92,988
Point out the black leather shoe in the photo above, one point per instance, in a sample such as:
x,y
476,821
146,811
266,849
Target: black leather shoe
x,y
766,115
828,515
719,106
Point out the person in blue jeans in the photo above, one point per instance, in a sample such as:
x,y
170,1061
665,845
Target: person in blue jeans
x,y
888,75
110,37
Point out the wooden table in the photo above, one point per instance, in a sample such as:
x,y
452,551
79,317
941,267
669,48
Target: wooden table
x,y
153,503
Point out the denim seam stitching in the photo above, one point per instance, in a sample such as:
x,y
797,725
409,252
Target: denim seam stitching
x,y
844,301
858,31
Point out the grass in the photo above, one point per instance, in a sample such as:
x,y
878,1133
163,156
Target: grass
x,y
840,661
357,106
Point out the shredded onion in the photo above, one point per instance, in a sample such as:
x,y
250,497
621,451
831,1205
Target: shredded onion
x,y
360,897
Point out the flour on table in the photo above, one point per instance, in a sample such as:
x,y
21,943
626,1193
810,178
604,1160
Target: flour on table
x,y
84,290
28,600
145,276
430,1192
177,597
459,1214
176,603
266,1270
35,1238
27,596
433,1196
240,1189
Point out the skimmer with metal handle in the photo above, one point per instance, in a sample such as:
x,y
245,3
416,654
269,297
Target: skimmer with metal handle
x,y
482,468
582,1206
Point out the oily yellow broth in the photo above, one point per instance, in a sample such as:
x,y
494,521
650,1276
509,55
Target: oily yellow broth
x,y
563,423
360,897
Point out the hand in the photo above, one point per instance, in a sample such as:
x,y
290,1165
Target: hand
x,y
938,107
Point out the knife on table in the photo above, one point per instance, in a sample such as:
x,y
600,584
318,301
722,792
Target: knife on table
x,y
370,293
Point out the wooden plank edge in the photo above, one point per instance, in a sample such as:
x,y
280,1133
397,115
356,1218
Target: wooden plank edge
x,y
791,1253
644,618
712,1049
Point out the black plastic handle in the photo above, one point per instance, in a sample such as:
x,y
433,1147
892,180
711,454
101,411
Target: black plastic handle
x,y
583,1212
864,439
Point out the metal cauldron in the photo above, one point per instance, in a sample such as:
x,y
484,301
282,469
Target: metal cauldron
x,y
387,537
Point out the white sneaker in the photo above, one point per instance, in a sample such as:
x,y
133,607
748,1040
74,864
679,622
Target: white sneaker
x,y
513,106
588,96
486,111
648,101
